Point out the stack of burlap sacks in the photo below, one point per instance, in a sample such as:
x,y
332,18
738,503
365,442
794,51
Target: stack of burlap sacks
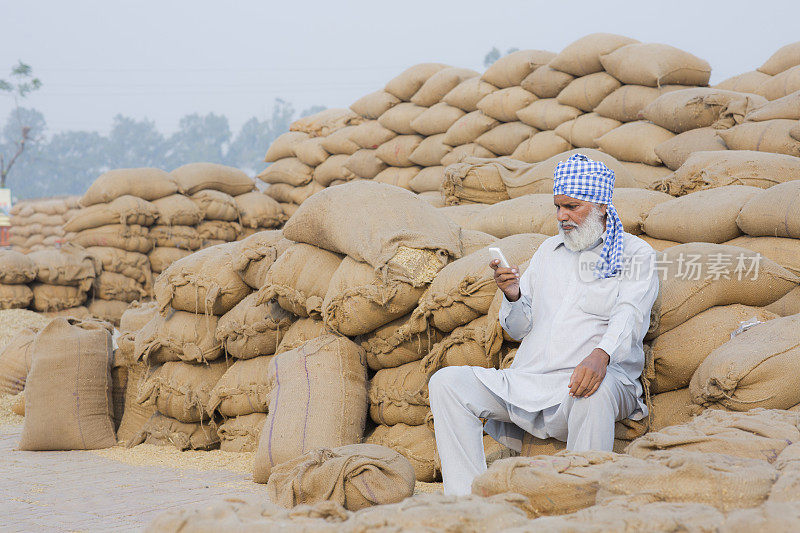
x,y
38,224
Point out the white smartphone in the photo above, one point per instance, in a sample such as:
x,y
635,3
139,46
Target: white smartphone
x,y
498,254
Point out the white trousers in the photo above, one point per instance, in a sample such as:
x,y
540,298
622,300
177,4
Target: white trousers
x,y
459,400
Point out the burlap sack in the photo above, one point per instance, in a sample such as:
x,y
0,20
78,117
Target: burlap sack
x,y
326,375
464,289
785,252
704,216
113,286
123,210
243,389
178,336
472,240
410,223
505,138
787,107
532,213
531,446
333,169
766,136
468,93
586,92
547,114
583,130
675,151
137,316
399,395
665,409
131,264
512,68
216,205
161,430
396,151
785,58
135,415
781,85
465,346
204,282
655,65
68,402
459,153
478,180
468,128
74,312
310,152
257,210
540,147
374,104
428,179
678,352
370,135
503,105
634,204
749,82
429,153
339,142
687,291
399,177
69,265
399,118
582,57
772,516
408,82
283,146
131,238
250,329
787,305
365,163
757,434
539,179
437,119
15,361
182,390
53,297
257,253
546,82
145,183
288,170
700,107
218,230
194,177
773,212
355,476
15,296
724,481
107,310
161,258
460,214
625,103
240,434
415,443
394,344
302,331
635,141
746,371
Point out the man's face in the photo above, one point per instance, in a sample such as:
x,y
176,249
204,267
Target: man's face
x,y
571,212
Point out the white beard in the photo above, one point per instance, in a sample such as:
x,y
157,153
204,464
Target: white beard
x,y
586,234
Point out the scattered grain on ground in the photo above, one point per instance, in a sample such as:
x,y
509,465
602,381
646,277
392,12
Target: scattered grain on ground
x,y
7,416
152,455
12,321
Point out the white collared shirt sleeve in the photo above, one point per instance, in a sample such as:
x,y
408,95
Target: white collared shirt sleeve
x,y
630,316
515,317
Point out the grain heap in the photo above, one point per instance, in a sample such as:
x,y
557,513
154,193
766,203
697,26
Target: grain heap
x,y
39,223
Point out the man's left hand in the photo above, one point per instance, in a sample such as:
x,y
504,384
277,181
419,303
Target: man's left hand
x,y
589,374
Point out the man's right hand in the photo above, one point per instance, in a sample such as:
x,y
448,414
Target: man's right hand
x,y
507,280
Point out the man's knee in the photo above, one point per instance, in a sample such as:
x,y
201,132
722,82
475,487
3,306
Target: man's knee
x,y
448,380
601,402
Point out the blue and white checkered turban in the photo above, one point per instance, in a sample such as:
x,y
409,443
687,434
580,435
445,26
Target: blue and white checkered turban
x,y
583,179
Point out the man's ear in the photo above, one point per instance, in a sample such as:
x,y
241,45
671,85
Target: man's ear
x,y
604,207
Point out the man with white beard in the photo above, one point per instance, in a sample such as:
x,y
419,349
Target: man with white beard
x,y
581,310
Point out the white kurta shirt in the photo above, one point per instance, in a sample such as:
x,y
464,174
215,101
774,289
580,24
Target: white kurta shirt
x,y
560,317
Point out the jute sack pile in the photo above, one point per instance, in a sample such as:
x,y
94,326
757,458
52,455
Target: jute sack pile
x,y
686,293
16,270
675,151
178,336
785,252
145,183
132,238
39,224
766,136
781,85
466,346
480,181
177,210
700,107
370,106
635,142
703,216
665,409
160,430
512,68
241,433
355,476
747,82
328,375
68,402
747,371
64,278
124,210
250,329
461,213
773,212
299,279
257,253
787,107
625,103
582,57
392,345
399,395
707,170
724,481
586,92
415,443
132,265
243,389
655,65
195,177
302,331
532,213
582,131
757,434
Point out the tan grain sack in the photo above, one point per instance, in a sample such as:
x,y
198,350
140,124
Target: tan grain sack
x,y
546,82
541,146
216,205
553,485
583,130
399,118
749,82
625,103
504,139
504,104
68,265
131,264
358,301
645,176
137,316
256,255
582,57
408,82
399,395
299,279
785,252
723,481
785,58
68,403
257,210
145,183
473,240
15,296
161,258
393,345
302,331
53,297
773,212
218,230
339,142
531,213
249,329
586,92
437,86
396,152
333,169
183,237
288,170
700,107
415,443
181,390
130,238
772,516
73,312
781,85
633,206
365,163
310,152
766,136
746,371
788,305
547,114
326,375
241,434
178,336
355,476
161,430
787,107
428,179
459,153
108,310
113,286
655,65
15,361
704,216
204,282
468,128
675,151
399,177
477,180
460,214
465,346
468,93
666,409
374,104
194,177
686,292
243,389
678,352
283,146
123,210
635,141
371,134
393,220
512,68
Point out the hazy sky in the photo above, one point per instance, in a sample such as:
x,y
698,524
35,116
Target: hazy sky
x,y
164,59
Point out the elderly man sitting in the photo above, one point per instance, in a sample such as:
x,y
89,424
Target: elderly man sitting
x,y
581,310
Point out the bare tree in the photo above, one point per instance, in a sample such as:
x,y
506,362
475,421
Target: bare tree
x,y
19,86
